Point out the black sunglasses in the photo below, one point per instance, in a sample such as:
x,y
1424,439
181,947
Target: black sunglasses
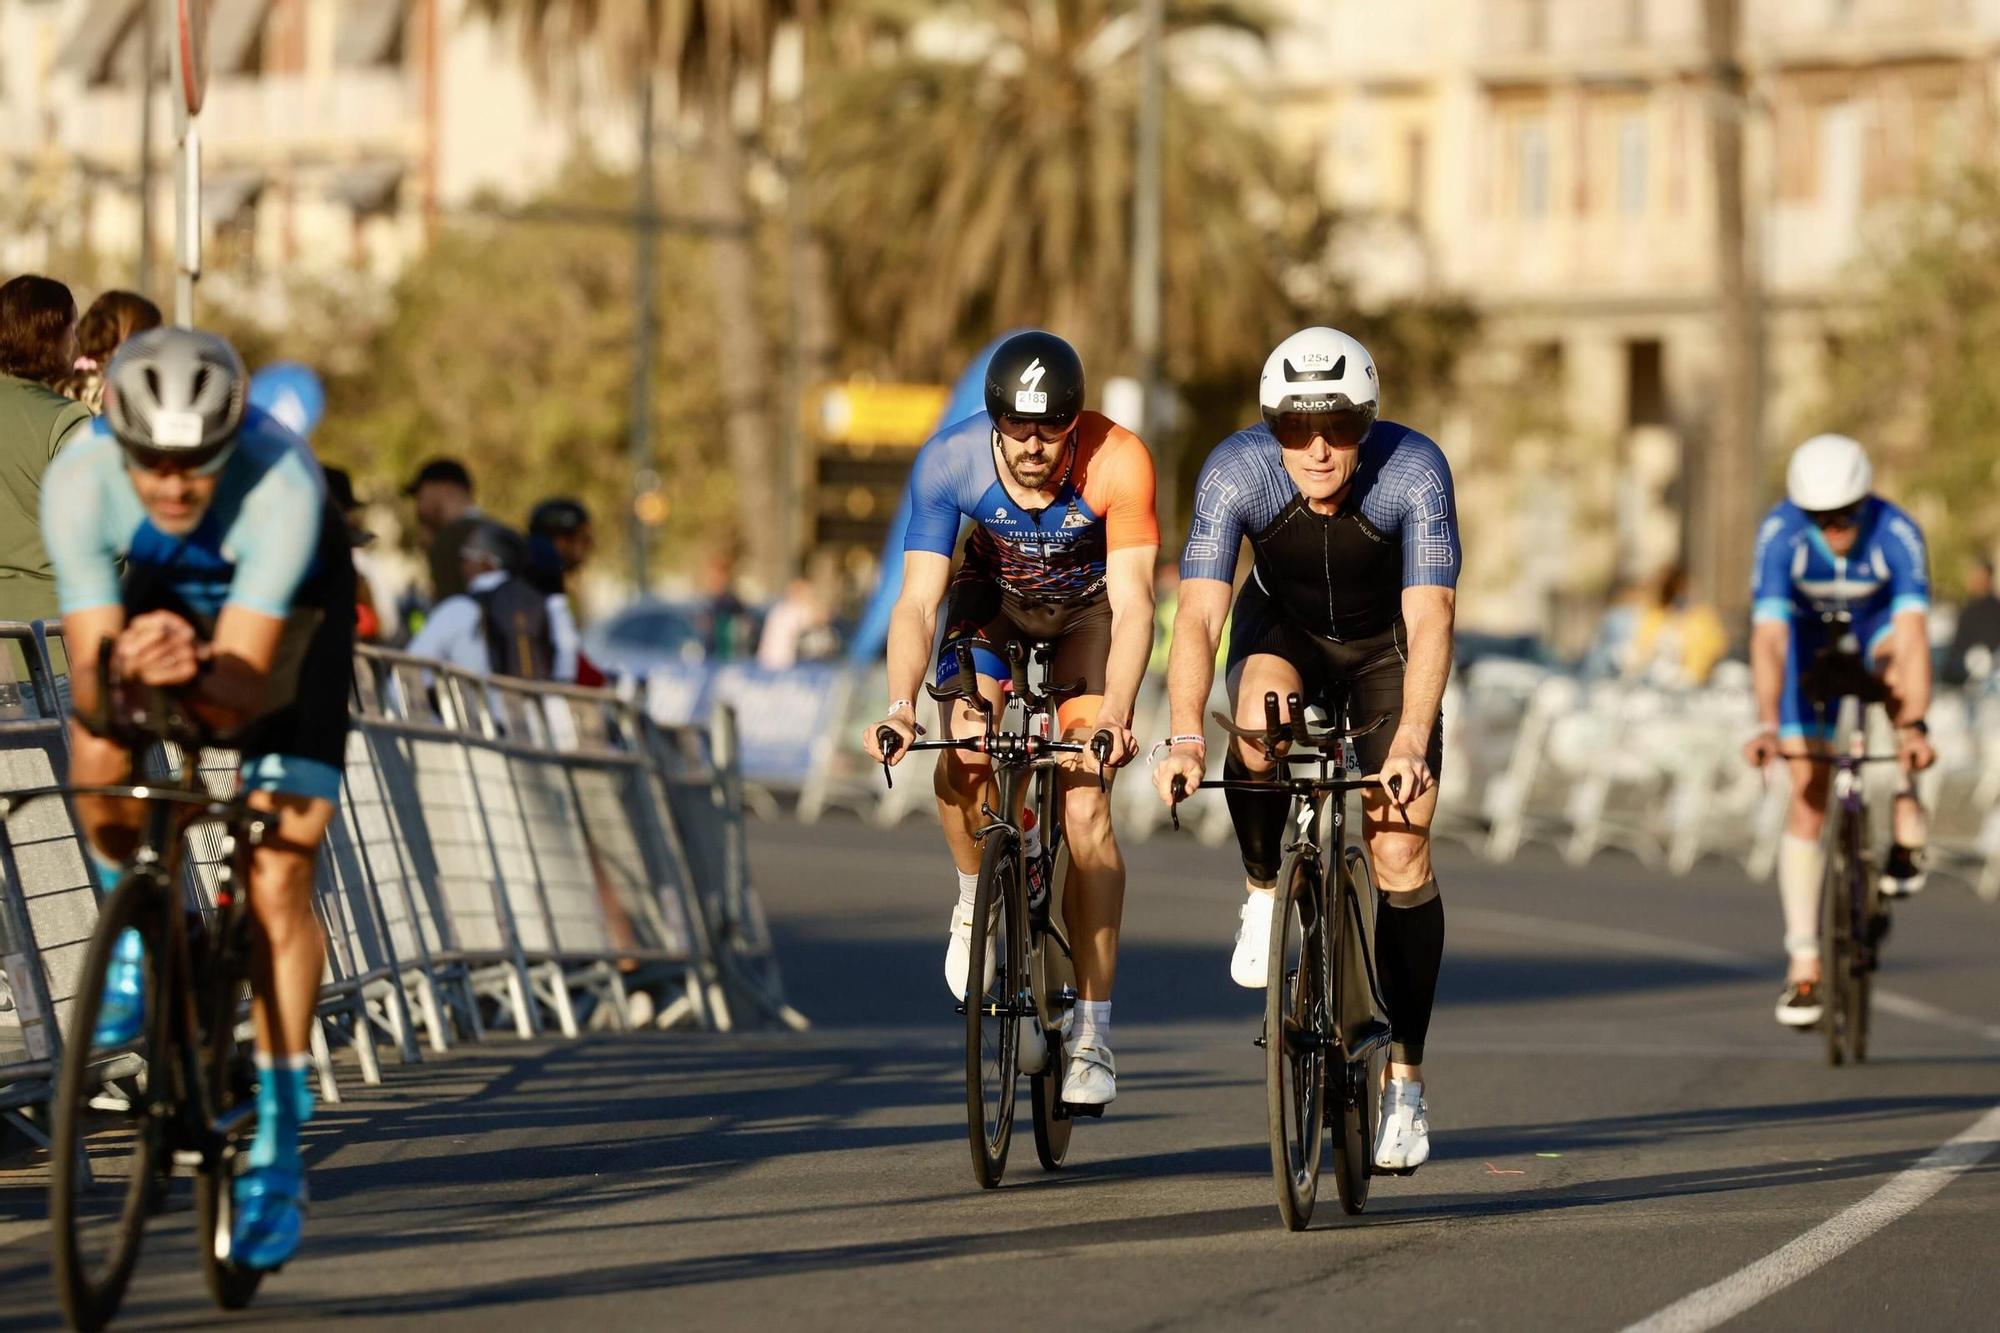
x,y
1021,429
1297,430
201,462
1844,517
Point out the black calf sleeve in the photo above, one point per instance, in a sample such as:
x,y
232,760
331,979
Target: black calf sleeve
x,y
1409,947
1259,818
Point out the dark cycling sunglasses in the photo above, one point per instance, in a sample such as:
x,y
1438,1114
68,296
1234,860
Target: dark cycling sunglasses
x,y
1021,429
1297,430
1844,517
201,462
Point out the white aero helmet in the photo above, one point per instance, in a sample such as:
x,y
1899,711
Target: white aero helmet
x,y
1318,370
1828,472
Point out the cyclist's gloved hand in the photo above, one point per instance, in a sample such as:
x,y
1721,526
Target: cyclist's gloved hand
x,y
902,720
1761,749
158,648
1914,750
1187,761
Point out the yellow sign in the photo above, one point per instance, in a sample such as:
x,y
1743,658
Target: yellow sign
x,y
880,414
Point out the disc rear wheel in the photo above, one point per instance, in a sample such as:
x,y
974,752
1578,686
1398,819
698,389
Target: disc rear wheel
x,y
1297,1038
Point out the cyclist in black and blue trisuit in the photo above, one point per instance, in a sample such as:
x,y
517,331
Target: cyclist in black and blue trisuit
x,y
1352,593
1833,548
196,538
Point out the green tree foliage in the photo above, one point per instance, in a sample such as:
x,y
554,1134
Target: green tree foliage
x,y
1913,377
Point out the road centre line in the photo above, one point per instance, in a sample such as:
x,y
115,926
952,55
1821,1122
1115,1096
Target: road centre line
x,y
1902,1193
1728,960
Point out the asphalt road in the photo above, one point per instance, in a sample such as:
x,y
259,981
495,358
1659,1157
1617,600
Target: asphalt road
x,y
1618,1127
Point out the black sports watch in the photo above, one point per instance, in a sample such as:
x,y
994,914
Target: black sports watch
x,y
1921,727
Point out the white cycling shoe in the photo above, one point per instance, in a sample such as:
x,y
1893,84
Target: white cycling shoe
x,y
958,952
1092,1077
1404,1141
1253,941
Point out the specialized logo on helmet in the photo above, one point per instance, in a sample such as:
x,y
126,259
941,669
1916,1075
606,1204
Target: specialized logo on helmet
x,y
1032,399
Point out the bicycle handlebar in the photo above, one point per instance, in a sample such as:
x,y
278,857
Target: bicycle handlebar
x,y
1296,786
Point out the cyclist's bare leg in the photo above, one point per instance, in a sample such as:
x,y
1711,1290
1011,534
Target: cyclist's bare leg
x,y
1256,676
1094,897
111,825
964,782
290,953
1805,819
1908,824
1399,849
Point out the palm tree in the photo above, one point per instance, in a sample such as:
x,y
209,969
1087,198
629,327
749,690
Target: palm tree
x,y
710,49
962,193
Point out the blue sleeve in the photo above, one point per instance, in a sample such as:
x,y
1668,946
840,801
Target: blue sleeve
x,y
935,510
276,535
1909,564
1422,480
1770,578
1215,531
80,524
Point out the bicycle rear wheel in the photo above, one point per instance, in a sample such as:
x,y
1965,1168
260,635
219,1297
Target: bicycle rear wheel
x,y
1355,1084
109,1158
992,1027
1053,975
229,1104
1297,1036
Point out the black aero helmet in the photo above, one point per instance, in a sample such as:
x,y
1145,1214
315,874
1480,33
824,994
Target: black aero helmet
x,y
558,517
176,392
1034,376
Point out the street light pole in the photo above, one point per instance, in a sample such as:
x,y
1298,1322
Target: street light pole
x,y
646,237
149,35
1146,262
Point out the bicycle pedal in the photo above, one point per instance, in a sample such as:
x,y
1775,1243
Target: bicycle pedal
x,y
1072,1111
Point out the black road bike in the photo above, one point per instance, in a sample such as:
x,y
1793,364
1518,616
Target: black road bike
x,y
1017,1025
183,1091
1854,921
1326,1035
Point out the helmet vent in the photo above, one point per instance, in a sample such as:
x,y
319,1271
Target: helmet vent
x,y
199,390
153,384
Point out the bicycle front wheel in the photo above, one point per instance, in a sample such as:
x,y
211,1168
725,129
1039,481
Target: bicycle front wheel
x,y
1054,975
109,1159
229,1104
992,1020
1836,935
1354,1086
1298,1035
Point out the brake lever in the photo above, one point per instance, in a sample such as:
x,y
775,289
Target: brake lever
x,y
1100,750
1180,793
891,741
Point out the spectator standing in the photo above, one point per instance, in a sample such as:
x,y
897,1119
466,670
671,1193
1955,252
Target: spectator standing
x,y
446,516
1975,643
1676,641
560,540
112,318
37,350
724,621
798,628
500,623
340,491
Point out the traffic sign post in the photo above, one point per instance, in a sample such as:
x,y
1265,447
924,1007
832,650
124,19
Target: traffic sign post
x,y
191,83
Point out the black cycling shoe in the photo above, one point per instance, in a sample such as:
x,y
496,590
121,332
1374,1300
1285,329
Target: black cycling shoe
x,y
1800,1006
1903,872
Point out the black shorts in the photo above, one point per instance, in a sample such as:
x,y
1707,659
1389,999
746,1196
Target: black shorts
x,y
1367,673
989,617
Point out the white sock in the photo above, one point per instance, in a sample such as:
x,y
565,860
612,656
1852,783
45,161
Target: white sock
x,y
968,889
1093,1025
1801,865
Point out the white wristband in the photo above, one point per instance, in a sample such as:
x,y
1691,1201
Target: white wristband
x,y
901,703
1171,741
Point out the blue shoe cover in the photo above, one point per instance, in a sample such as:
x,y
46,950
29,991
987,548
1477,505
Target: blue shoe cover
x,y
270,1216
123,1011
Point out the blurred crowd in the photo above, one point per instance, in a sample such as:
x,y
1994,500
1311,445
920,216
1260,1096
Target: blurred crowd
x,y
486,594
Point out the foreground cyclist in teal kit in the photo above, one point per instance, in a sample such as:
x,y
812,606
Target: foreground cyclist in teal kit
x,y
237,591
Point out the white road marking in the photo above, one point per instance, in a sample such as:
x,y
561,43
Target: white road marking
x,y
1910,1189
1727,960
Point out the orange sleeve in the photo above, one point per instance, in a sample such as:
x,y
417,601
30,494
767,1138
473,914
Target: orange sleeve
x,y
1119,486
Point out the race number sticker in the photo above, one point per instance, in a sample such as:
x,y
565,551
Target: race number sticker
x,y
1030,400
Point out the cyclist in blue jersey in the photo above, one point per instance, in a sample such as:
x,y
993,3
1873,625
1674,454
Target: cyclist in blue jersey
x,y
1832,548
237,592
1352,594
1062,551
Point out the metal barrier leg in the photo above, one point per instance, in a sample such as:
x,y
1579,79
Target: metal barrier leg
x,y
363,1038
329,1090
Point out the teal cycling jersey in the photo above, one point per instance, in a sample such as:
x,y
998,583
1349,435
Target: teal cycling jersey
x,y
254,548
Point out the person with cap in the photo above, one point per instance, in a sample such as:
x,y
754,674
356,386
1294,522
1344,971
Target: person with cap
x,y
499,625
560,540
442,494
37,349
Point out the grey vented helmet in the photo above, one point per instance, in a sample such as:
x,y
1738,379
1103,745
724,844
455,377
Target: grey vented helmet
x,y
176,392
495,543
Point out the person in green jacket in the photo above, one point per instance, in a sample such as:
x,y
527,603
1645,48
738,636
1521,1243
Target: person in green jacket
x,y
37,348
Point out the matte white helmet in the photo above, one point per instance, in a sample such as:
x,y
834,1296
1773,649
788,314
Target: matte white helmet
x,y
1828,472
1319,370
